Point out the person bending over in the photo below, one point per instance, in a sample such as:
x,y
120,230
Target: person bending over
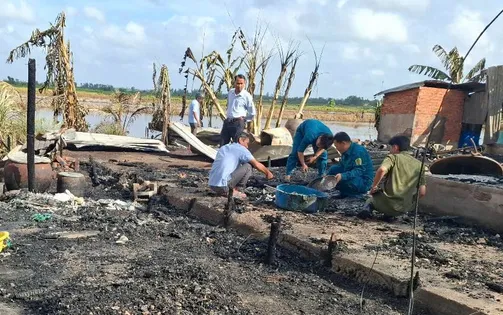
x,y
233,167
310,132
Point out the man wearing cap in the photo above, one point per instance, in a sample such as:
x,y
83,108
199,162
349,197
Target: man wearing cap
x,y
240,110
233,167
194,111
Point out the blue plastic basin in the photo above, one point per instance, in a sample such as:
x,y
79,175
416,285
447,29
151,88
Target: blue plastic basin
x,y
300,198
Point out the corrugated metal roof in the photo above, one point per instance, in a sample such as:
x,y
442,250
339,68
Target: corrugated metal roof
x,y
468,86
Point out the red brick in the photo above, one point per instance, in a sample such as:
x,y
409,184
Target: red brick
x,y
425,103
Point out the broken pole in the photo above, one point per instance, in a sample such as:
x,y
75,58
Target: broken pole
x,y
332,246
269,162
30,122
229,208
273,240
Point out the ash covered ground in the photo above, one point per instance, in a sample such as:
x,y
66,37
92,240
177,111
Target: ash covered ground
x,y
164,263
439,240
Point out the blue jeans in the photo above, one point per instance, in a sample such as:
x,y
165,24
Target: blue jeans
x,y
293,158
352,187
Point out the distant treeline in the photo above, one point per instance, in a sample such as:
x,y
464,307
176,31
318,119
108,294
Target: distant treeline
x,y
351,100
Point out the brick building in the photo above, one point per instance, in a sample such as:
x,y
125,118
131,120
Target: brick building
x,y
411,110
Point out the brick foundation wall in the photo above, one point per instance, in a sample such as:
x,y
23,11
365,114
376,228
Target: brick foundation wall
x,y
451,104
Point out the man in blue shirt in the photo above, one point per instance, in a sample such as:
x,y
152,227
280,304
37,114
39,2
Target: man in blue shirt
x,y
310,132
194,111
355,172
240,109
233,167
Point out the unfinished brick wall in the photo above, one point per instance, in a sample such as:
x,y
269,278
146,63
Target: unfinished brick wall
x,y
451,106
403,102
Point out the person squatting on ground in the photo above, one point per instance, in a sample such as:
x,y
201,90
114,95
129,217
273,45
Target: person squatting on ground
x,y
233,167
396,195
310,132
355,170
240,109
194,111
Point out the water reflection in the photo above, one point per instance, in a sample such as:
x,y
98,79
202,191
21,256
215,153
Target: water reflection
x,y
139,125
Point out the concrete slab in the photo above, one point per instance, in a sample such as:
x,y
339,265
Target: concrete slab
x,y
476,203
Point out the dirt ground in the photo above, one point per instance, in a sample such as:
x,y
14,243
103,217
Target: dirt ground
x,y
170,264
450,253
167,264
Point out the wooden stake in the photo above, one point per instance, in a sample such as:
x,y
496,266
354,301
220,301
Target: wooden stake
x,y
332,246
30,117
230,208
273,239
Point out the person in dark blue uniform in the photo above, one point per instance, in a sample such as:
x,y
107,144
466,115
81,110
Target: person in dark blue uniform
x,y
355,171
310,132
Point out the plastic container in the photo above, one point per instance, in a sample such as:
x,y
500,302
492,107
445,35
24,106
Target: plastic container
x,y
4,240
300,198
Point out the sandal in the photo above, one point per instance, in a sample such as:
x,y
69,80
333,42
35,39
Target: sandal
x,y
239,195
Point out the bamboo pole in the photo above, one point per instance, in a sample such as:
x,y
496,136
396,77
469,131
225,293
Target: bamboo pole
x,y
287,91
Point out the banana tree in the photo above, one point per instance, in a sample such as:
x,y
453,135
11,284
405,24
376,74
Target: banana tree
x,y
453,63
59,65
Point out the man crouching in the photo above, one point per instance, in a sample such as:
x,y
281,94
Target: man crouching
x,y
396,194
233,167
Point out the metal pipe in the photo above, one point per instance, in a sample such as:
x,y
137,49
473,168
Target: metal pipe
x,y
30,119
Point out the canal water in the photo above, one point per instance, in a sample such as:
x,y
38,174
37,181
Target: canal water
x,y
138,128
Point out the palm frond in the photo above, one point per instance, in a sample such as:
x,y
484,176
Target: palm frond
x,y
442,55
475,73
431,72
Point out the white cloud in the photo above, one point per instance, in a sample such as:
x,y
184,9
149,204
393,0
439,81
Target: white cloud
x,y
89,30
409,5
9,29
376,26
23,12
377,72
131,36
71,11
465,28
350,51
94,13
341,3
411,48
391,61
136,30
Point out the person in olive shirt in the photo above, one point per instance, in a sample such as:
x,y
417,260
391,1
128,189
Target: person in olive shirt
x,y
355,170
396,197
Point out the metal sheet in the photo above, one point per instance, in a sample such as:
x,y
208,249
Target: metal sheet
x,y
97,140
466,164
194,142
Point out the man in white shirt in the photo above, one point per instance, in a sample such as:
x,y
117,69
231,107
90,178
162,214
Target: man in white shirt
x,y
194,111
240,110
233,167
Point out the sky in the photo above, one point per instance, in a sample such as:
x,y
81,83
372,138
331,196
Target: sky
x,y
368,44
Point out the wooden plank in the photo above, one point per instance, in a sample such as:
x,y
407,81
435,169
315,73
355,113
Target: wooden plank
x,y
494,89
475,109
